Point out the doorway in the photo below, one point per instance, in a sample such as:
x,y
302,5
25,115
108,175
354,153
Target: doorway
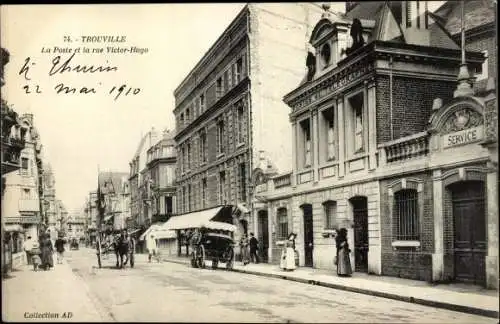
x,y
360,216
263,234
469,229
308,235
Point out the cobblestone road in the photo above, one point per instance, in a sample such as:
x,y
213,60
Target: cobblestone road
x,y
173,292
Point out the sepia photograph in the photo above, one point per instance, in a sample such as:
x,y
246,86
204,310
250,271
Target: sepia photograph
x,y
246,162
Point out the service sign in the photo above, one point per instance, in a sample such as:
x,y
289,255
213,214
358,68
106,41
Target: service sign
x,y
463,137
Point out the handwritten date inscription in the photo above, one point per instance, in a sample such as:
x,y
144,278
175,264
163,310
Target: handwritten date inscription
x,y
61,66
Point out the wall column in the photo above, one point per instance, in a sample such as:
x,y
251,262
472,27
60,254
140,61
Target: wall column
x,y
294,154
372,126
315,145
341,137
492,221
438,255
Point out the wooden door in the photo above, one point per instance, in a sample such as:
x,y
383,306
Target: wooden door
x,y
263,235
360,215
469,224
308,236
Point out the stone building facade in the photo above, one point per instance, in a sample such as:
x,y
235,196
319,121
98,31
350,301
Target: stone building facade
x,y
386,145
228,108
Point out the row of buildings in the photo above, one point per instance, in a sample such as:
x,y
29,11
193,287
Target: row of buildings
x,y
381,120
29,202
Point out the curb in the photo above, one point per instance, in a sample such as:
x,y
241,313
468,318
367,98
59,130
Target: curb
x,y
408,299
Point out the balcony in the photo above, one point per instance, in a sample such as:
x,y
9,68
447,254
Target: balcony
x,y
29,205
282,180
406,148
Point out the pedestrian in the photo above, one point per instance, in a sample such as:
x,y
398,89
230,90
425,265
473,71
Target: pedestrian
x,y
152,248
344,268
60,249
287,262
244,249
254,248
47,251
28,246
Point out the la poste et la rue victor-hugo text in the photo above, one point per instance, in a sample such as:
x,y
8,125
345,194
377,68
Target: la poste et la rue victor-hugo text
x,y
66,61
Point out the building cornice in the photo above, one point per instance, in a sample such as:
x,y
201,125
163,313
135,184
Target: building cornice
x,y
161,160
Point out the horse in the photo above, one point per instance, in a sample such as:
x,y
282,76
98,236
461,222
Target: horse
x,y
121,248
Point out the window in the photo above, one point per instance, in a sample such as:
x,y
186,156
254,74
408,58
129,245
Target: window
x,y
24,166
187,115
306,136
202,103
190,198
409,13
481,73
326,55
203,192
357,123
282,218
243,182
240,116
183,154
219,91
239,70
181,120
406,215
222,184
184,200
220,137
329,134
330,214
188,164
203,145
230,77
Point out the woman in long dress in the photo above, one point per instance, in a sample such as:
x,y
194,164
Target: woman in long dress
x,y
344,268
47,253
245,257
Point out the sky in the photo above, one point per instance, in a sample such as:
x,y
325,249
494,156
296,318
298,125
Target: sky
x,y
84,133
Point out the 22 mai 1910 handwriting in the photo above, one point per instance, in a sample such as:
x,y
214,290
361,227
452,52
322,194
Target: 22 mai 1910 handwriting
x,y
61,66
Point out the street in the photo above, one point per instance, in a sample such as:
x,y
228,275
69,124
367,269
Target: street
x,y
174,292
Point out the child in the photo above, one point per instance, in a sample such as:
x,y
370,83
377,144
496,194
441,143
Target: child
x,y
35,259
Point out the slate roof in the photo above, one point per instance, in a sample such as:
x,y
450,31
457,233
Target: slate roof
x,y
477,13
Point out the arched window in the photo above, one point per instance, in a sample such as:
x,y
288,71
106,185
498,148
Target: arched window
x,y
330,208
406,216
282,218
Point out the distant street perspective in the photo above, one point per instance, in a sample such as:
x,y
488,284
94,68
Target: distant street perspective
x,y
170,292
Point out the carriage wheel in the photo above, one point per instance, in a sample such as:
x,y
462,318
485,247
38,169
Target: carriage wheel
x,y
230,259
200,260
215,264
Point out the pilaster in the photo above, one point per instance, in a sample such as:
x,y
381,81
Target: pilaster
x,y
492,221
294,154
315,145
372,126
341,133
438,255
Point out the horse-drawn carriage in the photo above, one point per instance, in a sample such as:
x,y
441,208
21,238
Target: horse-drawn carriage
x,y
114,243
214,242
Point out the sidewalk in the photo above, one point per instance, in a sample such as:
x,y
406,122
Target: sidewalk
x,y
56,295
456,297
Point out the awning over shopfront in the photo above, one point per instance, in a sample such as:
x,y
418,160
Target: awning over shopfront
x,y
197,219
13,228
164,234
159,232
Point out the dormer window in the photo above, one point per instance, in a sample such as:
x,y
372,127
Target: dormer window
x,y
326,55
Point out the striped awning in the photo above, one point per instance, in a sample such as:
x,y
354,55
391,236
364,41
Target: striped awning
x,y
192,220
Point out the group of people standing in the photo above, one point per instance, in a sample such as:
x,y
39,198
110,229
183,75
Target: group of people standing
x,y
249,249
40,253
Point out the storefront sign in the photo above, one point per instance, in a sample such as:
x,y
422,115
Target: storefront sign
x,y
463,137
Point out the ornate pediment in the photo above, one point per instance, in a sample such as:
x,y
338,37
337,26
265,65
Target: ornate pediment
x,y
461,119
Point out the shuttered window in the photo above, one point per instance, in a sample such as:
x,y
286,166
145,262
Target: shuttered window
x,y
406,215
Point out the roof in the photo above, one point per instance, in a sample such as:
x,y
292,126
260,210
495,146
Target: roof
x,y
111,182
477,13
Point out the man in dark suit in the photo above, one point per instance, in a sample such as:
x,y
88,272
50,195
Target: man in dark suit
x,y
254,247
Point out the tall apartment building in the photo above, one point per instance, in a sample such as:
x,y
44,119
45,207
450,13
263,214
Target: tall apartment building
x,y
91,217
112,200
228,110
161,192
137,184
21,204
388,146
